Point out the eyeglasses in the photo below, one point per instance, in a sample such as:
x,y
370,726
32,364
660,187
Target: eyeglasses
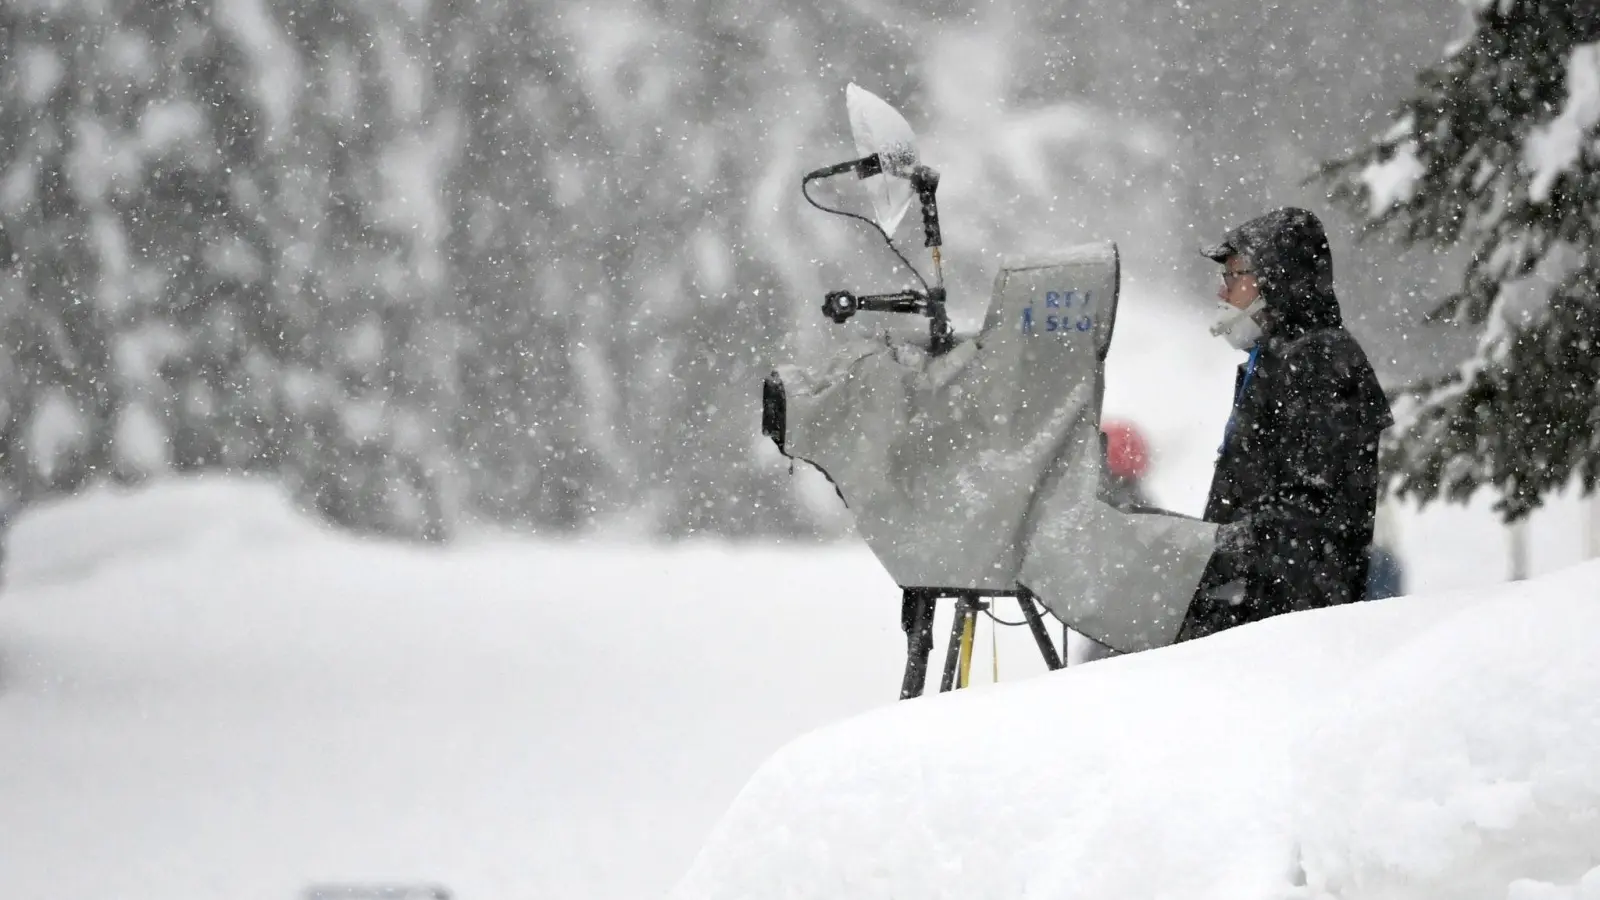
x,y
1233,276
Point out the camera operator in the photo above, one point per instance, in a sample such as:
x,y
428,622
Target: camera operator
x,y
1296,482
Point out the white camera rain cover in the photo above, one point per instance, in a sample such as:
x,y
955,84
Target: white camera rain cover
x,y
980,469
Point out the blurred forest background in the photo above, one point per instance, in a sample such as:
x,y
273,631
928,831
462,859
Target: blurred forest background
x,y
527,261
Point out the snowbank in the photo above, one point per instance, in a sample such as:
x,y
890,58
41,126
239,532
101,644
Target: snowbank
x,y
203,694
206,694
65,539
1444,746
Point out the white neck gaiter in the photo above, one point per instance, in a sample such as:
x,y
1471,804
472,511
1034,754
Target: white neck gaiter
x,y
1238,326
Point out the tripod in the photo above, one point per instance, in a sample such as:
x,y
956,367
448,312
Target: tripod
x,y
917,606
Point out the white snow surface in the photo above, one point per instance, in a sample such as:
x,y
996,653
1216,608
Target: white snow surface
x,y
1440,746
203,695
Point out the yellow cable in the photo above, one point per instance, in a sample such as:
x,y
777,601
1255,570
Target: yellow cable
x,y
968,623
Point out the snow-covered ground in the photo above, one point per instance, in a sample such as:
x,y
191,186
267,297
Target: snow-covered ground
x,y
1427,747
204,695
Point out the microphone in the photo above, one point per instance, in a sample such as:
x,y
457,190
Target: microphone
x,y
858,165
899,160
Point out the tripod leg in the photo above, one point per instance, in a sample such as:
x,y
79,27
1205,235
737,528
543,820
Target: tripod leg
x,y
952,652
1047,649
969,630
916,619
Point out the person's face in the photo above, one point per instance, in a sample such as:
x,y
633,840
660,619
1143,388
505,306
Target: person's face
x,y
1239,288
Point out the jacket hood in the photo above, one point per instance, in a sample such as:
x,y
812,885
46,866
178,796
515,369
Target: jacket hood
x,y
1289,252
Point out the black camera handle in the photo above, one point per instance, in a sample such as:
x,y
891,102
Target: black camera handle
x,y
930,302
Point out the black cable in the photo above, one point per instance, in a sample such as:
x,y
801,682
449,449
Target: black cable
x,y
999,621
805,191
1048,611
1052,613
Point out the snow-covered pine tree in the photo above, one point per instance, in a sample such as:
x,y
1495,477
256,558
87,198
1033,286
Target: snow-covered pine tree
x,y
211,273
1497,153
528,197
358,196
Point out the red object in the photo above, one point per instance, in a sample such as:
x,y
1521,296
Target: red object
x,y
1127,452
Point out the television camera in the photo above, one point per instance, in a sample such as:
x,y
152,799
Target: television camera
x,y
972,464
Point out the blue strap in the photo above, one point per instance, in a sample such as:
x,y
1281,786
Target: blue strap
x,y
1249,370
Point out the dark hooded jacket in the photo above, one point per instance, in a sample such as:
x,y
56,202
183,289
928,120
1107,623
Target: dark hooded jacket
x,y
1296,481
